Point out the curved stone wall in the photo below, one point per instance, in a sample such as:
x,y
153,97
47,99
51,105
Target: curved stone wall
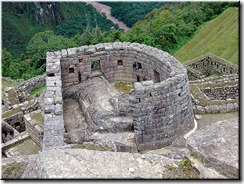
x,y
160,102
128,62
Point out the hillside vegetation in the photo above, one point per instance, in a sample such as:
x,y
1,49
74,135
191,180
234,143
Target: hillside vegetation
x,y
167,28
172,26
22,20
131,12
219,36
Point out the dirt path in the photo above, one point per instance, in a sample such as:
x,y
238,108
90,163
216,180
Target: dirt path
x,y
102,8
208,119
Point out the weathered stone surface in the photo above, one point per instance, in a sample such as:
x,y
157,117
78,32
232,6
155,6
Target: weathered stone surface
x,y
96,103
58,109
49,101
119,142
217,146
198,116
200,109
179,142
227,92
81,163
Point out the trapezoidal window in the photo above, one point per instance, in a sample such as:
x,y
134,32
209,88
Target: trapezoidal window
x,y
80,60
71,70
120,63
50,75
95,65
137,66
156,76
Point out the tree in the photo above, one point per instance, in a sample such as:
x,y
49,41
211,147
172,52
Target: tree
x,y
43,42
6,59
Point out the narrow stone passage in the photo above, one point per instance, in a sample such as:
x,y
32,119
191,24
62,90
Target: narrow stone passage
x,y
74,121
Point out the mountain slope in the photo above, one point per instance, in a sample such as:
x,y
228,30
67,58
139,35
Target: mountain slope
x,y
22,20
219,36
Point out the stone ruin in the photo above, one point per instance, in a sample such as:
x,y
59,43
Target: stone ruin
x,y
83,114
158,109
214,84
208,64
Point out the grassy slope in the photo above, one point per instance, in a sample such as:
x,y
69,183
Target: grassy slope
x,y
18,30
219,36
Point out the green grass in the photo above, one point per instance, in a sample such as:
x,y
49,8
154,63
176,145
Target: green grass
x,y
185,170
208,119
38,118
216,74
38,90
13,170
25,146
6,83
124,87
11,112
219,36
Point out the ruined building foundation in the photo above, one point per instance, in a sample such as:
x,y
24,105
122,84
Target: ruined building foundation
x,y
158,109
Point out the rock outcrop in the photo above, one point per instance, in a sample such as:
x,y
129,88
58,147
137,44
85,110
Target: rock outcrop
x,y
82,164
216,146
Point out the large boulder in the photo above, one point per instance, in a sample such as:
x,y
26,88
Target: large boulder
x,y
81,163
216,146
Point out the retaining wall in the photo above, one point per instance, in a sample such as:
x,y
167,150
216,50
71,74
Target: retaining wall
x,y
222,93
215,94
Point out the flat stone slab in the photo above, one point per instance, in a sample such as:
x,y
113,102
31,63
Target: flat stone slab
x,y
82,163
216,146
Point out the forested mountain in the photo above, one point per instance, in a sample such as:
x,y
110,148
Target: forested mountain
x,y
22,20
168,28
130,12
172,26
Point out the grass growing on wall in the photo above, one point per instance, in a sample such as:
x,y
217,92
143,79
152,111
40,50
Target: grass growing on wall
x,y
218,36
38,90
38,118
11,112
6,83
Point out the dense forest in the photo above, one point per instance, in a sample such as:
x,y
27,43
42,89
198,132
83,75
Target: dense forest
x,y
130,12
167,28
22,20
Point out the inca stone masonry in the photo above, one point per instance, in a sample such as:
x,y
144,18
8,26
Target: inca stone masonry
x,y
159,106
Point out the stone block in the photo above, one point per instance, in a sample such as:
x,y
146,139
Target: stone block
x,y
49,109
49,101
90,50
58,100
58,109
52,68
64,53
